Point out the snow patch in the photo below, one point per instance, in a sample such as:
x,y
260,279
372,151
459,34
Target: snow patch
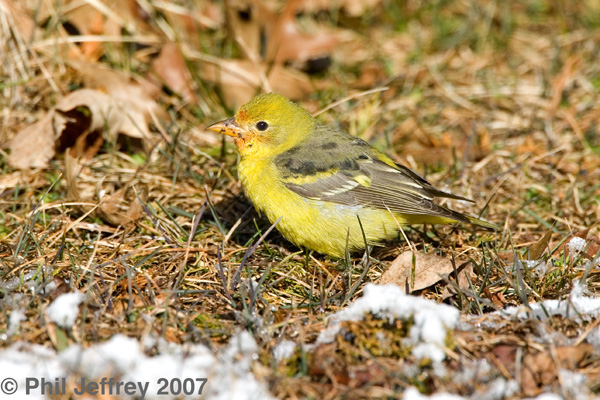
x,y
574,383
24,360
413,394
575,245
229,374
428,333
576,306
546,396
538,267
284,350
65,308
14,321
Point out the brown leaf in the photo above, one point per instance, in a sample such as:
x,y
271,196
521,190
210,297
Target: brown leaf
x,y
247,20
33,146
240,79
461,283
251,20
353,8
540,370
170,66
86,18
593,249
77,123
538,248
119,209
137,95
286,42
92,51
17,15
429,269
507,256
496,298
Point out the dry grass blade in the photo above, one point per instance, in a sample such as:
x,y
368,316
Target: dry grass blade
x,y
494,101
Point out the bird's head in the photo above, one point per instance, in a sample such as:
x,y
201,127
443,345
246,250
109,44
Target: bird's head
x,y
269,124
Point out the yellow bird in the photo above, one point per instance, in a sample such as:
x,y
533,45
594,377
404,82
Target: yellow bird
x,y
321,181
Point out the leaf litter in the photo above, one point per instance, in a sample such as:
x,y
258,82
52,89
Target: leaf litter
x,y
132,205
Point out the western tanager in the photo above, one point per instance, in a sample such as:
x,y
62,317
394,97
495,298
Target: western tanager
x,y
320,181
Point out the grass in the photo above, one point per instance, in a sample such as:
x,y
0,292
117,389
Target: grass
x,y
493,101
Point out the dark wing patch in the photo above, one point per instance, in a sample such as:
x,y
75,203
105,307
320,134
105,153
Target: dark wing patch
x,y
356,177
431,189
300,161
376,185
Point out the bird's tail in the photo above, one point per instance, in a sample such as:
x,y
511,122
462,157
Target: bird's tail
x,y
482,223
460,217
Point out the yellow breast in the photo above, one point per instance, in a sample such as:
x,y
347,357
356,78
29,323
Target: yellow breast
x,y
318,225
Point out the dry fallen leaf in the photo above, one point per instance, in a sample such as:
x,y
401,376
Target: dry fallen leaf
x,y
286,42
80,121
120,208
240,80
353,8
538,248
15,16
540,370
497,298
33,146
459,282
247,20
137,93
268,41
277,35
170,66
103,18
116,206
429,269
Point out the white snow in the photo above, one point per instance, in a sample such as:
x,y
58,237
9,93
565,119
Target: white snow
x,y
546,396
574,383
500,388
575,245
413,394
284,350
575,306
539,267
24,360
65,308
119,354
229,374
432,321
14,321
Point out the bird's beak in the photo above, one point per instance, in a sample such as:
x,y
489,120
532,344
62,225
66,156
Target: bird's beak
x,y
227,127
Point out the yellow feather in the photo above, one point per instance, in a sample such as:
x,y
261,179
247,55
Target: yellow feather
x,y
363,180
304,179
315,224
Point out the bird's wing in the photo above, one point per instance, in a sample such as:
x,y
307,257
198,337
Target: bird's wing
x,y
359,178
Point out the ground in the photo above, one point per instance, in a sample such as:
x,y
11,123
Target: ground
x,y
128,249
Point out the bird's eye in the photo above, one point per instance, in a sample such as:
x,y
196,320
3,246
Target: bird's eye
x,y
262,126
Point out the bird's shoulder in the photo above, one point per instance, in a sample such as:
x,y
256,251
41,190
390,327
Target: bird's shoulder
x,y
325,151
